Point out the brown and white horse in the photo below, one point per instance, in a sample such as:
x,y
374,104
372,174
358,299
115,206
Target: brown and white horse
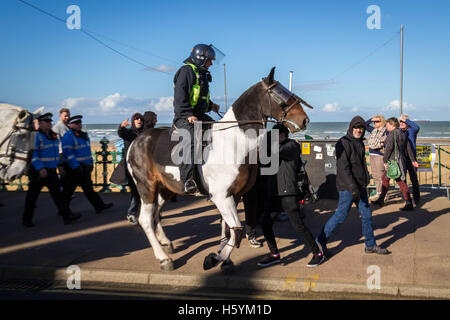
x,y
17,137
225,181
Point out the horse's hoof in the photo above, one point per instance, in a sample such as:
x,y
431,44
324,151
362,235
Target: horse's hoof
x,y
166,265
227,266
211,260
168,248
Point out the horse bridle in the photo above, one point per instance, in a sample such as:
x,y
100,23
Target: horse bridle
x,y
15,128
281,100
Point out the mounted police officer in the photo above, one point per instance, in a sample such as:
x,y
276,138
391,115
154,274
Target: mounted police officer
x,y
192,101
78,164
45,160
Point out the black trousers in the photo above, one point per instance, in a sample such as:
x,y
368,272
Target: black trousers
x,y
135,199
187,167
35,185
413,176
253,206
80,177
290,205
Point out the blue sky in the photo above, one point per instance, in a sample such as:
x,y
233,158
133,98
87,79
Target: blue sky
x,y
42,62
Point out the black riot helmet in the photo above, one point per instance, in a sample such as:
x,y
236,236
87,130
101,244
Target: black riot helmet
x,y
201,52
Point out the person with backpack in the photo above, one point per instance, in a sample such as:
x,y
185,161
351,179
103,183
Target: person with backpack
x,y
397,149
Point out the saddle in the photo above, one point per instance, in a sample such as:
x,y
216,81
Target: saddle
x,y
170,146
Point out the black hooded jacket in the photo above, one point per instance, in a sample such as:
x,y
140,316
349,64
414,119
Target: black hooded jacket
x,y
183,81
352,173
128,135
119,175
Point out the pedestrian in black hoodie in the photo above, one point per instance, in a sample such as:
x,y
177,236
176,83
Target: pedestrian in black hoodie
x,y
121,175
352,179
285,193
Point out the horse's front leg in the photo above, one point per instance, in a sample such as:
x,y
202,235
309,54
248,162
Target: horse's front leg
x,y
227,208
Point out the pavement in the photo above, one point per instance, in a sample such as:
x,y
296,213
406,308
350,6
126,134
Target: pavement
x,y
109,250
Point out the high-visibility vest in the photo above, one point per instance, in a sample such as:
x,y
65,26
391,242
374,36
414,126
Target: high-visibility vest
x,y
195,91
45,154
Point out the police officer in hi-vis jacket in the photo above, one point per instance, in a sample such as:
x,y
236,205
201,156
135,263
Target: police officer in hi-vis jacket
x,y
78,164
42,173
192,101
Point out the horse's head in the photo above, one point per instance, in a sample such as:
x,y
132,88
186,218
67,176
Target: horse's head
x,y
283,105
17,139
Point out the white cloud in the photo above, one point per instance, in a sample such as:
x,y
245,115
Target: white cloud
x,y
164,104
355,109
395,105
162,68
117,104
331,107
112,102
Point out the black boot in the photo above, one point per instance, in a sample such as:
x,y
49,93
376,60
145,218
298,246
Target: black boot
x,y
379,202
408,207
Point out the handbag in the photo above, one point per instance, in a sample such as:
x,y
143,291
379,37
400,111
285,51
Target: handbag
x,y
393,169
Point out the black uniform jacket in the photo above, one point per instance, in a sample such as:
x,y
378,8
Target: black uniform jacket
x,y
183,81
287,176
352,173
119,175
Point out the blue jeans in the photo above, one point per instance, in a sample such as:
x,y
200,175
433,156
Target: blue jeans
x,y
344,206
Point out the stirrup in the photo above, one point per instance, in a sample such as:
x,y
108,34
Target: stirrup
x,y
190,187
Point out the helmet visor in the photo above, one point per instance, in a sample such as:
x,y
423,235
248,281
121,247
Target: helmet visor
x,y
219,55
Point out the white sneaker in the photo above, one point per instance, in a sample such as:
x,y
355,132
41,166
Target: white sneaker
x,y
255,243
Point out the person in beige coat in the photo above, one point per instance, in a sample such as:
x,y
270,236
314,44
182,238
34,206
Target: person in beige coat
x,y
376,151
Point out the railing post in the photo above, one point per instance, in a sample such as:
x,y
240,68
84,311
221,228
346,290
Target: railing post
x,y
105,186
439,159
20,185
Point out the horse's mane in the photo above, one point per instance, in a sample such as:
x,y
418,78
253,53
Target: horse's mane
x,y
248,106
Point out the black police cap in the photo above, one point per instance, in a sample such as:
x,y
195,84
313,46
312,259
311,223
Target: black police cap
x,y
45,117
75,119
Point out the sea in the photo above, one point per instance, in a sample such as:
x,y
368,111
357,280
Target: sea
x,y
316,130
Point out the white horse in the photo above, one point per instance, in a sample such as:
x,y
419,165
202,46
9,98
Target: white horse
x,y
17,138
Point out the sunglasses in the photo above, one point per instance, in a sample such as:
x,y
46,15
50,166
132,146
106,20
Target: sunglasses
x,y
376,121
